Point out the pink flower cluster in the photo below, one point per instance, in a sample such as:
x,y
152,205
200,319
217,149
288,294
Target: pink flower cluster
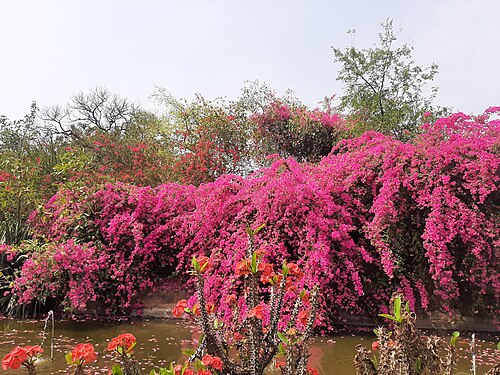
x,y
376,215
64,271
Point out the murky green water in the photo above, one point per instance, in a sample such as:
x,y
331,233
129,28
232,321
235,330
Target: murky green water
x,y
162,341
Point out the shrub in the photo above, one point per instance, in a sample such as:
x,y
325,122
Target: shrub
x,y
375,216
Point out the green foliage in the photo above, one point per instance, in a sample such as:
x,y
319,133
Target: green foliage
x,y
13,232
117,370
162,371
405,350
397,317
384,87
207,138
454,337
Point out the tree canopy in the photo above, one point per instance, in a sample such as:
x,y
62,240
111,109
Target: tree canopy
x,y
384,87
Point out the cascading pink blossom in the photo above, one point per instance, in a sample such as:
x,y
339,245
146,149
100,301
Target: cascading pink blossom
x,y
375,216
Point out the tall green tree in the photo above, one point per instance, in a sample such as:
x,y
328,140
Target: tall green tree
x,y
384,87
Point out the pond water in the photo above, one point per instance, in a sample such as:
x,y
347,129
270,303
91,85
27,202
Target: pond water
x,y
162,341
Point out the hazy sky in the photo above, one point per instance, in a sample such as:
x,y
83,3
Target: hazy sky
x,y
51,49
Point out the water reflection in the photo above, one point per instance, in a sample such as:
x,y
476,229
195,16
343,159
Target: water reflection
x,y
160,342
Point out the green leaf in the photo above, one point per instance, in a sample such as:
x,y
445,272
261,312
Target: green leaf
x,y
184,368
397,309
188,352
454,337
198,365
69,358
132,346
254,263
419,364
117,370
281,350
283,338
195,263
387,316
284,269
498,346
205,265
259,228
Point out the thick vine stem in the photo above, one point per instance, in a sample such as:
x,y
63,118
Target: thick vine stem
x,y
131,367
362,362
31,369
254,329
212,341
302,362
449,364
295,312
275,314
312,315
252,303
199,351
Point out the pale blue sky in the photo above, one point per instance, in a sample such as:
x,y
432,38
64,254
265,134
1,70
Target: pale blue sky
x,y
51,49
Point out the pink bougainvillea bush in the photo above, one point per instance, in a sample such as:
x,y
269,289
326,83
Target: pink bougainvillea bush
x,y
104,247
374,216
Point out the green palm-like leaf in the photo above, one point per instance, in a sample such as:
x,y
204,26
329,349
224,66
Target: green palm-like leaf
x,y
387,316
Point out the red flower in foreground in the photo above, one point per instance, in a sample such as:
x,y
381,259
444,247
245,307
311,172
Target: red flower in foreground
x,y
312,371
83,353
14,359
214,362
33,351
196,309
210,307
125,341
259,253
267,272
178,310
303,317
256,312
242,268
294,270
178,370
375,346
